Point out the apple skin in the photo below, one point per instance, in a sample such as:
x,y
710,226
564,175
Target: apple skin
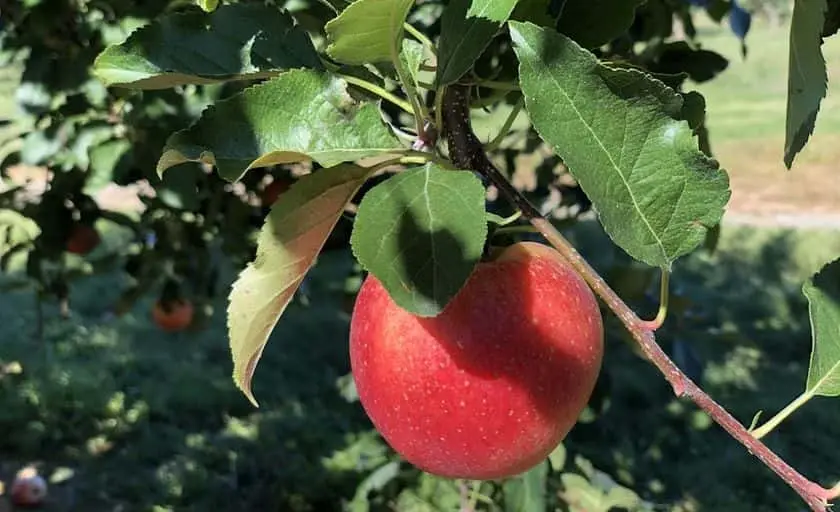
x,y
489,387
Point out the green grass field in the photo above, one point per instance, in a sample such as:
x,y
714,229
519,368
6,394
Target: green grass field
x,y
129,418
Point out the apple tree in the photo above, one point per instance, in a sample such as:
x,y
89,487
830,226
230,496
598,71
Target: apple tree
x,y
89,138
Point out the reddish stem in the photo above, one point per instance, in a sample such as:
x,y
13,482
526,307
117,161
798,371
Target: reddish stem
x,y
466,152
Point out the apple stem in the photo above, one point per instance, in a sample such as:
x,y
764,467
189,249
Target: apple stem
x,y
657,322
469,154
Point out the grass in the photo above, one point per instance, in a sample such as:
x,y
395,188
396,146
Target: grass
x,y
134,419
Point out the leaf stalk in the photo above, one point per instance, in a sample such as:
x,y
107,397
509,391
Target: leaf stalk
x,y
511,118
421,37
774,422
662,313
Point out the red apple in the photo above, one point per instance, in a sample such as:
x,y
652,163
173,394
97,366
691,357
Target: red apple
x,y
28,489
488,388
83,239
174,315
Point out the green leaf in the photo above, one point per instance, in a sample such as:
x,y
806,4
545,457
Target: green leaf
x,y
421,233
526,492
15,229
557,458
593,23
235,42
620,134
807,76
208,5
462,40
299,115
832,18
374,482
368,31
179,189
493,10
412,56
106,160
585,496
535,11
823,294
293,235
581,495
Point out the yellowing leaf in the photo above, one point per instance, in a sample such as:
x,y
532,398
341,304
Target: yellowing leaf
x,y
289,242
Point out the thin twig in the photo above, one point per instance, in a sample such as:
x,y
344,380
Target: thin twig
x,y
467,153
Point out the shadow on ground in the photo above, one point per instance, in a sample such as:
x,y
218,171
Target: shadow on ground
x,y
135,418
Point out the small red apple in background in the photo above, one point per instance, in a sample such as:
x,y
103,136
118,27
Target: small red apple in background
x,y
173,315
83,239
488,388
29,489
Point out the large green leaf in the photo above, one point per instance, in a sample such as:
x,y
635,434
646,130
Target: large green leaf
x,y
368,31
299,115
462,40
289,242
593,23
620,133
807,76
421,233
526,492
238,41
823,293
493,10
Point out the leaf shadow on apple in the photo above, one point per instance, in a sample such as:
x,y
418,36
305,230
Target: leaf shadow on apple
x,y
433,263
508,341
